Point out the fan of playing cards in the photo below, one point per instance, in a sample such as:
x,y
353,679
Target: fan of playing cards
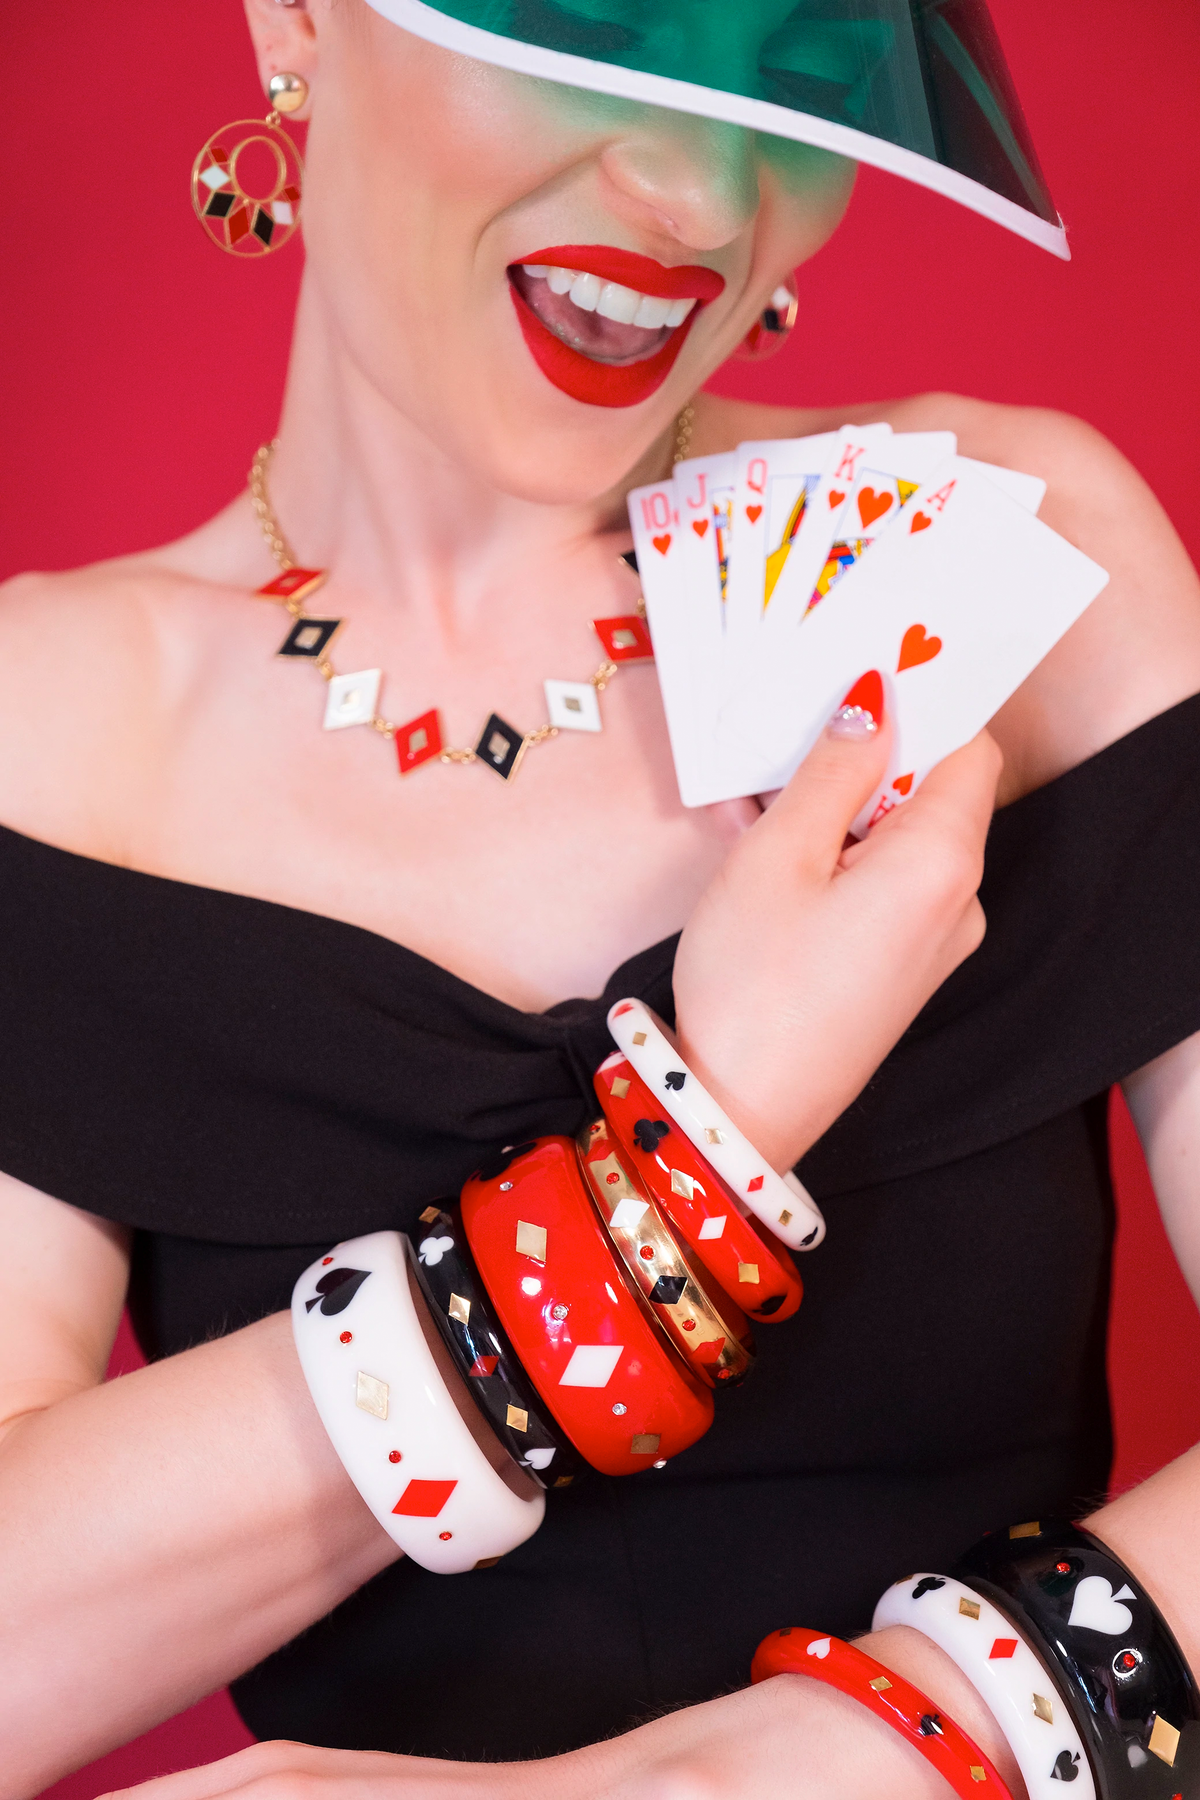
x,y
777,574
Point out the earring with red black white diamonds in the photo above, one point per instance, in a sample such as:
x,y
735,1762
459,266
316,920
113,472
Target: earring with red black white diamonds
x,y
241,222
775,325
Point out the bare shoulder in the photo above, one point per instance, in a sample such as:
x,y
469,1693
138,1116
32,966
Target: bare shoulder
x,y
1135,652
93,662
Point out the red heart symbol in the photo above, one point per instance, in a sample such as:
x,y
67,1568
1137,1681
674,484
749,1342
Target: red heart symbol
x,y
917,647
754,514
921,522
699,526
662,544
835,499
903,784
872,505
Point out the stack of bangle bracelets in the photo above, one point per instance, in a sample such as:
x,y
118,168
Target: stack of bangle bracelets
x,y
579,1305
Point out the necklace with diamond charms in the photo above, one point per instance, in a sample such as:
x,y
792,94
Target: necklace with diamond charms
x,y
353,699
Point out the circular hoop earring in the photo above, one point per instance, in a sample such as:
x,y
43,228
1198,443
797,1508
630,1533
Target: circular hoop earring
x,y
771,330
238,221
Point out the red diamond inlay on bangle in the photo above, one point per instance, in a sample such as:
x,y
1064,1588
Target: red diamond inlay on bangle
x,y
1002,1649
424,1499
418,741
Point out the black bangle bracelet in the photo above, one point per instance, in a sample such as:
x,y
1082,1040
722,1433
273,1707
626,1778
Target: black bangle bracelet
x,y
1120,1671
482,1353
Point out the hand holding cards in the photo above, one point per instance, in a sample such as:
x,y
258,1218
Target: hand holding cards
x,y
772,585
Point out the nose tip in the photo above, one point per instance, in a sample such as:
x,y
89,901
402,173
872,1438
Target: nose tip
x,y
696,177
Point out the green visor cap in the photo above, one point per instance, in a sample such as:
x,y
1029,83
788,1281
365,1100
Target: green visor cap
x,y
917,87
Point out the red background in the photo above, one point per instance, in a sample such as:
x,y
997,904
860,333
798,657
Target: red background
x,y
141,368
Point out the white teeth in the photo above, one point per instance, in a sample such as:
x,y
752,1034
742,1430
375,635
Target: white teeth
x,y
611,299
619,303
652,312
585,292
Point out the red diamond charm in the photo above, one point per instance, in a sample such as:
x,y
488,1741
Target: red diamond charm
x,y
625,639
293,584
754,1186
418,741
1002,1649
483,1365
238,225
424,1499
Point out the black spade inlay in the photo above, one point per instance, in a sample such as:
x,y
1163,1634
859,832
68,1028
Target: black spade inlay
x,y
667,1289
675,1079
931,1725
498,1161
263,225
650,1134
336,1290
926,1585
220,206
500,746
308,637
1060,1579
1066,1766
808,1240
770,1305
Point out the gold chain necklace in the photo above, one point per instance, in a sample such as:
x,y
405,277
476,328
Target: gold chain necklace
x,y
353,699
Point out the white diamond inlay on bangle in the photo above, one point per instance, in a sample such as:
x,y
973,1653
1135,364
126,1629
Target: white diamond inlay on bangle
x,y
591,1365
713,1228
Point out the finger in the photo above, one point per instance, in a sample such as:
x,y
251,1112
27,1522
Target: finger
x,y
212,1781
958,796
836,778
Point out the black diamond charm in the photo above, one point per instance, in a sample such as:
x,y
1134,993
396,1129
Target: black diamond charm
x,y
220,206
263,224
667,1289
500,747
629,558
308,637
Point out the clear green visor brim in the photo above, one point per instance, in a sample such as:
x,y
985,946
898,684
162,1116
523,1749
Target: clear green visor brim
x,y
917,87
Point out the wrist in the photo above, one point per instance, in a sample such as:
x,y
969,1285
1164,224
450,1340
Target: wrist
x,y
920,1661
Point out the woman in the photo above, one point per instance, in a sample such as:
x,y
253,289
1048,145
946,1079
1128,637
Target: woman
x,y
239,1060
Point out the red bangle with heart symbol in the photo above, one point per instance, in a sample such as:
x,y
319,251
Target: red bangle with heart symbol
x,y
713,1222
587,1341
959,1761
707,1328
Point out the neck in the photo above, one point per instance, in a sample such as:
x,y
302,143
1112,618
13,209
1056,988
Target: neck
x,y
359,488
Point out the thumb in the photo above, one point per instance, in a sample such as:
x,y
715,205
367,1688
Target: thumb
x,y
836,778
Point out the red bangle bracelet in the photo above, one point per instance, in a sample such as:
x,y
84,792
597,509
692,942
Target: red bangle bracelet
x,y
905,1708
588,1343
708,1329
712,1221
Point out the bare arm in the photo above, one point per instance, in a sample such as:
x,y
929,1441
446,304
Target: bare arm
x,y
158,1534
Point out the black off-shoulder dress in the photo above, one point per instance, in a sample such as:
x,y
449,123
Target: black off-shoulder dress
x,y
244,1083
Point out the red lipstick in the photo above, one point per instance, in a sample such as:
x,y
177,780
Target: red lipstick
x,y
591,379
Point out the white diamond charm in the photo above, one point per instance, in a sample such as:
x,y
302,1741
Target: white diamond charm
x,y
591,1365
215,177
573,705
281,212
352,699
628,1213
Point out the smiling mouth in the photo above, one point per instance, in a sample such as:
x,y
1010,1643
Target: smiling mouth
x,y
603,320
606,325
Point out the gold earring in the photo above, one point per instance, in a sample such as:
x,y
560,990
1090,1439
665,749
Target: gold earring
x,y
244,223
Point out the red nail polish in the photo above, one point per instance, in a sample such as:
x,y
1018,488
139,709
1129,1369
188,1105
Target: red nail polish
x,y
867,692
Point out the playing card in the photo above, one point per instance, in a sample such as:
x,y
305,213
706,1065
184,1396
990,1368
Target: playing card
x,y
954,607
774,478
704,498
863,492
1027,490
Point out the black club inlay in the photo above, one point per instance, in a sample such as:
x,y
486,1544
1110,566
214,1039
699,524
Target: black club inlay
x,y
675,1079
926,1585
771,1305
650,1134
667,1289
500,746
931,1725
308,637
336,1290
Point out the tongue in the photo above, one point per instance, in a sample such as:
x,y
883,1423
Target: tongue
x,y
604,340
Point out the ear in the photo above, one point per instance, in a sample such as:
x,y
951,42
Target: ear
x,y
284,38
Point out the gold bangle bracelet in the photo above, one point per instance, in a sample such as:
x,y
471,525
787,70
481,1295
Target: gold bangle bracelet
x,y
708,1329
